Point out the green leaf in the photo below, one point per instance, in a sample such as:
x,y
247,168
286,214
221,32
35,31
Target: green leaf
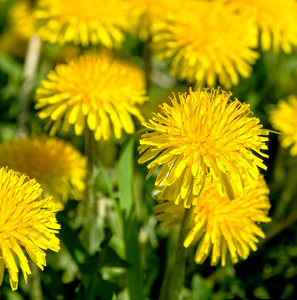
x,y
74,245
126,166
96,237
114,297
126,169
109,188
135,273
200,290
127,205
14,71
104,289
113,260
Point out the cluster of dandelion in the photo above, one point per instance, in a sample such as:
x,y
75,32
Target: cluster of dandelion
x,y
221,47
207,148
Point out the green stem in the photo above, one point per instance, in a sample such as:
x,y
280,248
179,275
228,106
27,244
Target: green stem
x,y
35,282
90,208
279,227
30,69
147,55
113,197
174,278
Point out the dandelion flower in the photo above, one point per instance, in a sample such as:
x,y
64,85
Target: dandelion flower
x,y
203,133
26,222
221,225
147,12
284,119
204,48
95,90
22,19
57,166
83,22
275,19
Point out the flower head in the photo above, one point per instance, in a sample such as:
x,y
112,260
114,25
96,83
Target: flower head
x,y
22,19
275,19
58,167
221,225
147,12
26,222
83,22
94,90
206,40
284,119
203,133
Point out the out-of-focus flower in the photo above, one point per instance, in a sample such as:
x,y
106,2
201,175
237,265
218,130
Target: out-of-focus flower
x,y
26,222
206,40
21,19
92,90
14,39
221,225
203,133
58,167
146,13
275,19
83,22
284,119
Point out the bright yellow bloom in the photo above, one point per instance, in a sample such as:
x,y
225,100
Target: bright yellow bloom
x,y
203,133
221,225
206,40
58,167
83,22
147,12
275,19
26,222
22,19
284,119
95,89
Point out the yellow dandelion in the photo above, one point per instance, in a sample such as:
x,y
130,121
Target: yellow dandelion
x,y
26,222
275,19
203,133
284,119
221,225
83,22
22,19
146,12
58,167
95,90
206,40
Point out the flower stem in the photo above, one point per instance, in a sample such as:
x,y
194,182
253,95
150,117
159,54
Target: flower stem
x,y
175,275
35,281
30,69
90,208
147,55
